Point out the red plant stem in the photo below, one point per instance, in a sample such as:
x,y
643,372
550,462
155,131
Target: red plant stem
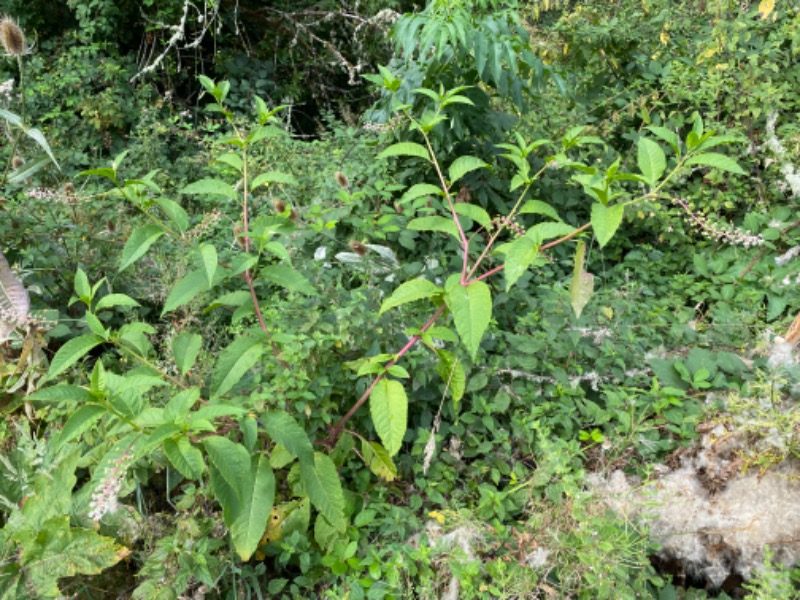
x,y
336,430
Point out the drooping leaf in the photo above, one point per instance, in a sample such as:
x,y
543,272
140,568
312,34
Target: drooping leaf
x,y
324,489
606,220
388,405
208,261
434,223
537,207
476,213
379,460
582,285
520,255
471,306
233,362
416,289
420,189
187,459
138,243
175,212
257,499
451,370
286,431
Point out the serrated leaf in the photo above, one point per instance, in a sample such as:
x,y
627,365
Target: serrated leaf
x,y
287,432
388,405
61,393
138,243
651,160
324,489
288,277
606,220
519,256
717,161
185,290
667,135
185,349
174,212
213,187
258,497
81,420
187,459
463,165
405,149
434,223
181,403
410,291
231,460
72,352
471,306
233,362
476,213
208,261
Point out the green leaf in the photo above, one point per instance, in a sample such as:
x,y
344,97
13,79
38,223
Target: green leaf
x,y
582,285
651,160
81,420
287,432
379,460
233,362
174,212
520,255
208,261
187,459
185,290
273,177
451,370
420,189
463,165
405,149
61,393
471,306
667,135
548,230
324,489
476,213
434,223
215,187
606,220
181,403
115,300
29,169
410,291
185,349
288,277
39,138
72,352
138,243
537,207
388,405
231,460
717,161
258,496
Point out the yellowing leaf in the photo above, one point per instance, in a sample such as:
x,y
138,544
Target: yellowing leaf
x,y
664,37
765,7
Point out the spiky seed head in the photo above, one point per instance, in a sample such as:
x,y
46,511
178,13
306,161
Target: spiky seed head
x,y
17,161
358,247
68,188
341,179
11,37
280,206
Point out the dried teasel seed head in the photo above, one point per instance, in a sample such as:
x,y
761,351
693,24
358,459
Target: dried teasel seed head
x,y
11,37
358,247
280,206
341,179
17,161
68,188
237,234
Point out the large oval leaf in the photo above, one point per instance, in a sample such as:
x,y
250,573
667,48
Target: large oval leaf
x,y
233,363
388,405
324,489
72,352
258,496
471,306
285,430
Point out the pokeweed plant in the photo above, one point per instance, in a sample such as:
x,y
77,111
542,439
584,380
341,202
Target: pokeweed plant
x,y
483,240
242,454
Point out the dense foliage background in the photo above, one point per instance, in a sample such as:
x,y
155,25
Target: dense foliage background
x,y
236,219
